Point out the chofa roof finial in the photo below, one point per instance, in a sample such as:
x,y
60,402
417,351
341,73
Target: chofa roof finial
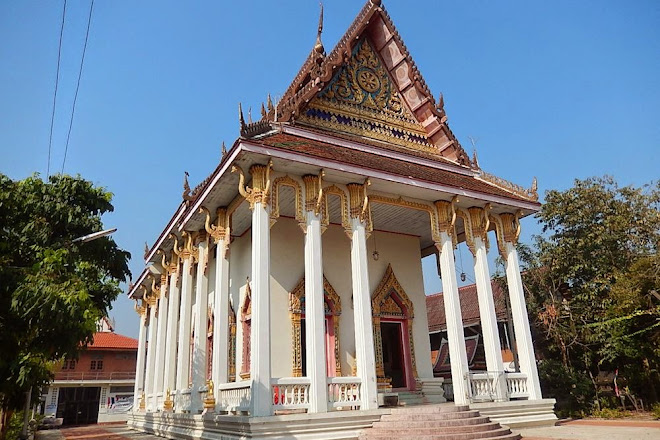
x,y
318,47
186,187
241,119
223,149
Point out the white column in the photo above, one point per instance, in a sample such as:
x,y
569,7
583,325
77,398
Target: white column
x,y
141,357
201,325
260,335
454,318
315,316
160,348
364,335
185,312
219,367
526,357
488,317
169,373
151,356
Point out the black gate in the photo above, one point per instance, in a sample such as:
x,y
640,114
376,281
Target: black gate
x,y
79,406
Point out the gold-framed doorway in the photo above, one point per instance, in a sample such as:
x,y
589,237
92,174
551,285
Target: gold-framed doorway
x,y
332,303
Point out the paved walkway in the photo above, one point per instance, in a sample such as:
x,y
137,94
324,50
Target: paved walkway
x,y
595,430
573,430
95,432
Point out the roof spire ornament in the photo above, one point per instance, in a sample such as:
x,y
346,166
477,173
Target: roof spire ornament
x,y
223,149
535,188
269,103
186,187
318,47
146,250
241,119
250,115
263,111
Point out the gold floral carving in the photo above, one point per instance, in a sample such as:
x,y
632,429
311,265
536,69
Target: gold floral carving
x,y
246,315
446,217
313,192
476,223
275,198
343,203
332,307
261,183
507,230
388,290
360,208
361,99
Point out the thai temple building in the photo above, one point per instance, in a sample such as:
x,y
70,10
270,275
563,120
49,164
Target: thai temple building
x,y
284,298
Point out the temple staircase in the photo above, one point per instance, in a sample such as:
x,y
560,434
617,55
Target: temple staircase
x,y
436,422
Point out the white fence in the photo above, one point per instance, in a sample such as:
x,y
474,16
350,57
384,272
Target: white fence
x,y
344,392
483,386
516,385
290,393
234,396
182,402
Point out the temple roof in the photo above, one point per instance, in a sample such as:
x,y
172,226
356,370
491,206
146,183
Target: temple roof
x,y
435,306
368,86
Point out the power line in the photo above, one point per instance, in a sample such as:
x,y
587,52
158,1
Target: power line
x,y
75,97
57,80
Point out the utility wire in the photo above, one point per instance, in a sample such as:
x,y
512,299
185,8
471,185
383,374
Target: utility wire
x,y
75,97
57,80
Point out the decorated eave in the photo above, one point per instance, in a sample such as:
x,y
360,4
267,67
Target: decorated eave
x,y
408,149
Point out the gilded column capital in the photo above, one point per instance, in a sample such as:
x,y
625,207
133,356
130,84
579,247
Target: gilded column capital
x,y
171,266
189,250
511,226
476,224
446,218
261,183
140,309
313,192
359,200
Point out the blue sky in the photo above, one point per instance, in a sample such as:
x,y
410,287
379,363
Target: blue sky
x,y
558,90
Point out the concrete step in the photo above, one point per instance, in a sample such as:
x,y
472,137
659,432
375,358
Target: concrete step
x,y
438,426
437,408
438,436
479,420
426,415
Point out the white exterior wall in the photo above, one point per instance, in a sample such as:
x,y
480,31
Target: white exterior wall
x,y
287,268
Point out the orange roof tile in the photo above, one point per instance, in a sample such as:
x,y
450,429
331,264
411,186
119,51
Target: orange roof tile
x,y
435,306
108,340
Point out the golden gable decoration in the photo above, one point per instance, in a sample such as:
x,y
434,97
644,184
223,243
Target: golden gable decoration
x,y
361,99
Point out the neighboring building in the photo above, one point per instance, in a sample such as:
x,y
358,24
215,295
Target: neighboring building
x,y
292,275
98,387
435,311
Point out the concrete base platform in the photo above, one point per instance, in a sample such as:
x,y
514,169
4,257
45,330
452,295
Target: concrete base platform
x,y
336,425
519,413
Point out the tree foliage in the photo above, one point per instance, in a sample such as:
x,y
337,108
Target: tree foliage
x,y
593,279
52,290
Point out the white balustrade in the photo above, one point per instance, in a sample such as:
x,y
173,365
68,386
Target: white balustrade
x,y
234,396
151,402
516,385
344,393
290,393
483,386
183,401
159,402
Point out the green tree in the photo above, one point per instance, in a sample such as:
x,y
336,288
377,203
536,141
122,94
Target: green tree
x,y
592,281
52,289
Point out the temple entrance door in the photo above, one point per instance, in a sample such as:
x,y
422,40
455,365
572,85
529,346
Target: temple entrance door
x,y
329,347
393,353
